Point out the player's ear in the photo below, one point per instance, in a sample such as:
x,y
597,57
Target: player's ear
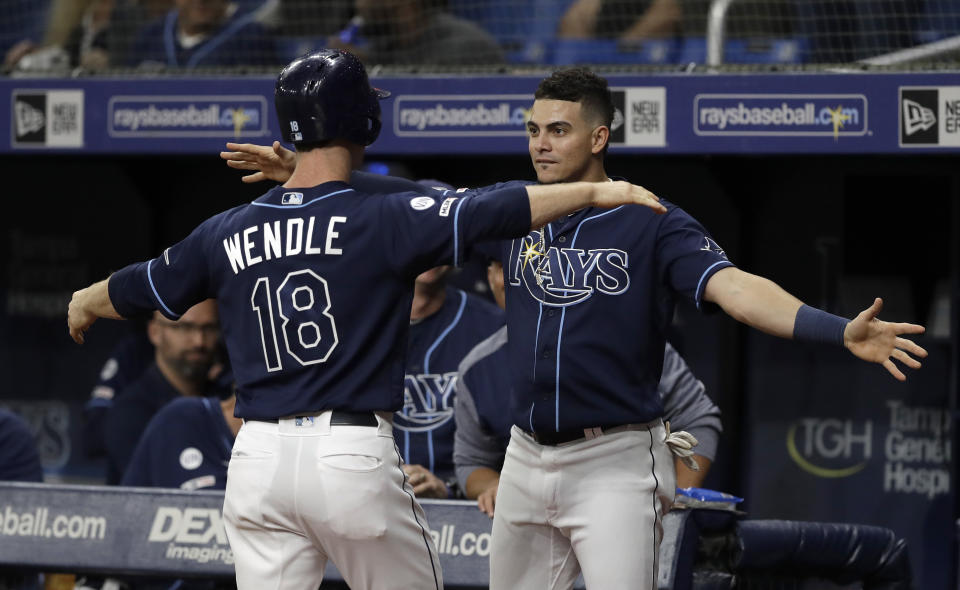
x,y
600,137
153,331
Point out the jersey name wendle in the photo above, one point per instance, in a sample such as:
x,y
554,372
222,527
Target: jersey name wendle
x,y
278,239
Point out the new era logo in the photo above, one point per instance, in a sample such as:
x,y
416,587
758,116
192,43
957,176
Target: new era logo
x,y
918,116
29,118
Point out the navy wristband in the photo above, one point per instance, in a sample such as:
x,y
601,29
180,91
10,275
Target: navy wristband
x,y
816,325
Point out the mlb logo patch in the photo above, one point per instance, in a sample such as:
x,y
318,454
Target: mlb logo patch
x,y
291,199
304,421
445,207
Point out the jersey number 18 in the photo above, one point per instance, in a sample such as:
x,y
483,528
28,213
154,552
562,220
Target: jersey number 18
x,y
302,304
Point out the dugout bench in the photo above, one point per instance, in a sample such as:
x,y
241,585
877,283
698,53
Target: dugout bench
x,y
171,533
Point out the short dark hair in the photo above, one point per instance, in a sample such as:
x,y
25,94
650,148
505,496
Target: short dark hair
x,y
579,85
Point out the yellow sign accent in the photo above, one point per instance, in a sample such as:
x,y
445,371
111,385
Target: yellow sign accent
x,y
838,118
813,469
240,118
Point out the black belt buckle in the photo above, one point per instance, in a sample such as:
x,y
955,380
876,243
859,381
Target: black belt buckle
x,y
353,419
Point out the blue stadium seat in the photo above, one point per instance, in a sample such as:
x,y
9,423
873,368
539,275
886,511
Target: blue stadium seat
x,y
605,51
764,51
23,19
753,50
290,47
524,28
939,19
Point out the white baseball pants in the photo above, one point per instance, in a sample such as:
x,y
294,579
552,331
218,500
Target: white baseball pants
x,y
592,505
300,492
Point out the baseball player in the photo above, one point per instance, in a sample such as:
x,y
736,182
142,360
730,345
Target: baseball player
x,y
184,353
483,430
187,445
128,360
314,281
588,471
19,459
445,324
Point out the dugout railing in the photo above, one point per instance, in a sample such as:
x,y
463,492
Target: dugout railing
x,y
174,534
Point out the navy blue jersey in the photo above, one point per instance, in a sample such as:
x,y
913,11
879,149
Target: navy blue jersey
x,y
240,40
19,460
187,445
484,390
314,286
128,360
589,299
129,415
424,427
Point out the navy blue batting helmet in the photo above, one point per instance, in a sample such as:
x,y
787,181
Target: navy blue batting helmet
x,y
326,95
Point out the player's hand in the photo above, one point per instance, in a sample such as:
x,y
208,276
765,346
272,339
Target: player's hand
x,y
271,162
79,319
874,340
425,484
487,499
613,194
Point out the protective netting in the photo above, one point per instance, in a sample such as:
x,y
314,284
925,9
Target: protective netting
x,y
55,36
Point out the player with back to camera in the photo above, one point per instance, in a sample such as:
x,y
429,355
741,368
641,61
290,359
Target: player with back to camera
x,y
314,282
588,472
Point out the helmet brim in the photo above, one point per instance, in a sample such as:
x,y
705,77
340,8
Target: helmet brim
x,y
381,93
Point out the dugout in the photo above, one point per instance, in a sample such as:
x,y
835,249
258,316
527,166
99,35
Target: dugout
x,y
830,180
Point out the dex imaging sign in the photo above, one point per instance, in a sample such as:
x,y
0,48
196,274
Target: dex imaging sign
x,y
780,115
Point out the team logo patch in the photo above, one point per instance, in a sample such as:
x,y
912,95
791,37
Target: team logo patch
x,y
421,203
197,483
559,277
711,246
446,205
102,392
109,369
191,458
428,401
291,199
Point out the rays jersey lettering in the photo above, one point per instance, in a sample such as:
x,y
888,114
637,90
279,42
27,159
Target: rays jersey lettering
x,y
561,277
427,402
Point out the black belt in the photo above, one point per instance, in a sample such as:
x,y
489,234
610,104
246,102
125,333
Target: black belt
x,y
553,439
338,418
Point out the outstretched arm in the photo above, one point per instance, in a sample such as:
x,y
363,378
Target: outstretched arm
x,y
552,201
761,303
86,306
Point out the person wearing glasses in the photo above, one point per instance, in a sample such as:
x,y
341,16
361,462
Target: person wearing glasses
x,y
184,358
